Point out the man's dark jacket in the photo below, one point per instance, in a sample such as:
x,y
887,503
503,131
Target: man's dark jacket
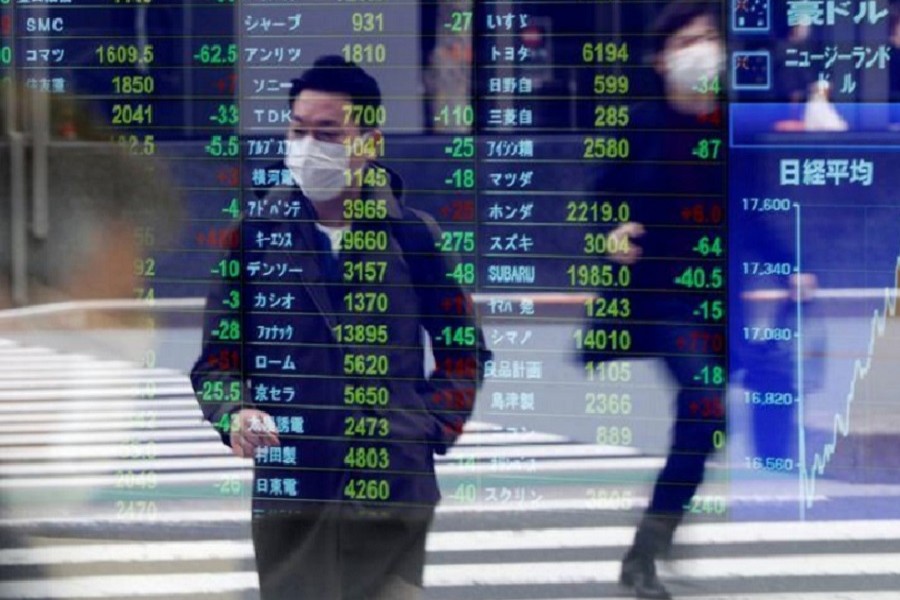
x,y
424,415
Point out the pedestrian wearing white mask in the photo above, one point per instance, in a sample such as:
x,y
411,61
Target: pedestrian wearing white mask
x,y
688,56
366,281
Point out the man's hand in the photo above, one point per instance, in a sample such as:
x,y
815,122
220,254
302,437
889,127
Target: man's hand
x,y
251,428
623,237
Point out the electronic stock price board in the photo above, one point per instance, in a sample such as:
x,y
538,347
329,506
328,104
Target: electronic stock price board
x,y
531,132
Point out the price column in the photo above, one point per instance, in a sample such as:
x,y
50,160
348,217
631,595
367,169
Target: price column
x,y
517,182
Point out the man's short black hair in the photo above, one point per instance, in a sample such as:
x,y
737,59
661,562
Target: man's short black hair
x,y
335,75
676,15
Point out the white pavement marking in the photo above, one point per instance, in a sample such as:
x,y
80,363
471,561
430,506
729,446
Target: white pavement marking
x,y
217,517
436,576
495,439
128,586
92,381
215,461
581,504
28,357
216,477
140,415
127,553
13,352
543,451
192,463
85,425
101,437
475,439
72,367
481,426
707,534
554,466
89,406
574,572
135,390
69,453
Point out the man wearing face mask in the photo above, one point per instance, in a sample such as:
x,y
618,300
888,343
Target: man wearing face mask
x,y
688,53
338,538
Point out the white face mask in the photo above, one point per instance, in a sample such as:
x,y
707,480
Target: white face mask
x,y
319,168
686,67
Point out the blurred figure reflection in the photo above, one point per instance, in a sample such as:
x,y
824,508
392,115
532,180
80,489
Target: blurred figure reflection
x,y
689,55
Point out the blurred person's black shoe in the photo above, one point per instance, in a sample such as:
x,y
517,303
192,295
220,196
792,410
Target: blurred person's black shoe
x,y
653,538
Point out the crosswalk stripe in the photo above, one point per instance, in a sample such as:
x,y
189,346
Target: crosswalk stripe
x,y
468,575
692,534
8,352
63,438
127,553
85,407
117,392
155,415
543,506
52,427
64,369
97,481
230,462
198,432
207,517
556,466
704,534
81,437
68,453
570,572
489,439
51,384
482,541
29,359
156,466
121,586
556,505
474,426
575,451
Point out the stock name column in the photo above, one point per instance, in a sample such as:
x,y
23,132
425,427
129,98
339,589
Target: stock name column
x,y
321,348
511,241
558,175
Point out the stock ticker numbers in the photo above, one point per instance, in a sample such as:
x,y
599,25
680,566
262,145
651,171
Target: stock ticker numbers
x,y
531,185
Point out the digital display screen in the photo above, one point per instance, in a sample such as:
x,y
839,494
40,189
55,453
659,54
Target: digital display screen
x,y
287,272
